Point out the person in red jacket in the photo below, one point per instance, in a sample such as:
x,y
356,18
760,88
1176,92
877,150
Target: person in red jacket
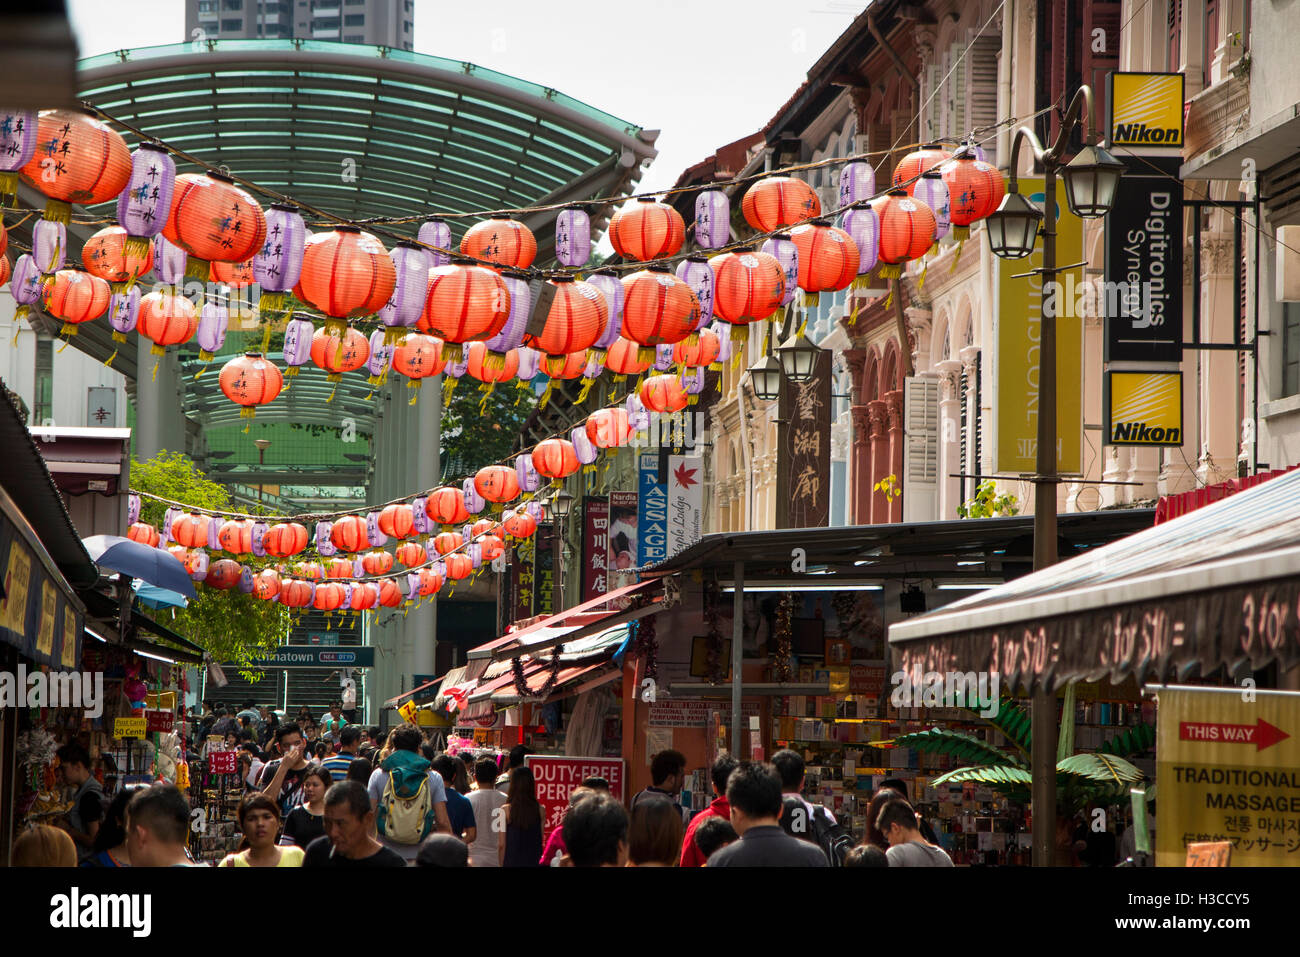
x,y
692,856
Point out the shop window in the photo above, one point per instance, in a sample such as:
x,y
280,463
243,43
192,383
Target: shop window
x,y
1175,34
354,20
232,26
43,405
1290,348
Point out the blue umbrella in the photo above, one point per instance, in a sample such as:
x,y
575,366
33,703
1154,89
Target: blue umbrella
x,y
154,597
153,565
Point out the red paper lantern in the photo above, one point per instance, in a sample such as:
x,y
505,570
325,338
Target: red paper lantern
x,y
78,159
465,302
747,286
828,257
223,574
311,571
250,380
778,201
447,542
364,596
329,596
497,483
577,318
609,428
430,581
484,526
459,566
390,596
349,534
214,220
702,353
646,229
906,230
285,539
918,162
418,356
481,367
446,506
412,554
346,273
108,256
267,584
975,189
191,530
520,524
658,308
555,458
236,536
6,269
188,557
166,319
492,547
144,533
338,568
379,562
564,367
624,358
502,242
327,353
662,393
75,297
295,593
234,275
397,521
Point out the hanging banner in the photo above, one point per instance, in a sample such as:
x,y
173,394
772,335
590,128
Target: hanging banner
x,y
804,450
1019,311
652,511
1143,408
1142,297
595,547
37,611
1228,769
685,501
521,580
1146,111
544,570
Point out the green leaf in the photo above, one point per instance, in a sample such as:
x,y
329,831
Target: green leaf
x,y
1065,742
1102,768
964,747
1134,740
995,776
1011,719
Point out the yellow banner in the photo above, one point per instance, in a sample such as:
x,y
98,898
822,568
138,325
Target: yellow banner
x,y
407,709
18,576
1228,769
1146,109
1144,408
68,654
49,605
129,728
1018,323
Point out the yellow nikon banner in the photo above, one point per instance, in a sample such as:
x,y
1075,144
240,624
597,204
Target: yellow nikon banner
x,y
1228,769
1144,408
1146,110
1019,320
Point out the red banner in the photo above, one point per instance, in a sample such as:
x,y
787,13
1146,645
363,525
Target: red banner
x,y
223,762
163,721
557,776
595,547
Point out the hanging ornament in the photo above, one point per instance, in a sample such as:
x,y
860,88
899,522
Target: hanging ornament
x,y
577,316
166,319
906,231
50,245
323,544
146,199
223,574
663,357
555,458
108,255
446,506
249,381
530,361
411,265
26,285
144,534
778,201
608,428
418,357
637,415
975,190
259,539
191,530
646,229
298,336
828,258
213,320
75,297
337,354
781,247
285,539
212,219
703,353
464,302
695,271
168,261
747,287
77,159
474,502
658,308
236,536
447,542
277,264
624,359
857,183
693,383
247,582
520,524
132,509
396,521
931,190
863,226
912,166
497,483
584,449
338,568
381,358
346,274
526,473
712,219
436,232
348,534
459,566
411,554
663,393
18,134
500,241
124,312
377,562
573,236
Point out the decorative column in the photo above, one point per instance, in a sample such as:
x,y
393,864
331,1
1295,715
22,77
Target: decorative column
x,y
894,408
950,463
878,421
970,365
860,467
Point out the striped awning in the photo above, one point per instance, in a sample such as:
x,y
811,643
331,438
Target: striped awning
x,y
1219,586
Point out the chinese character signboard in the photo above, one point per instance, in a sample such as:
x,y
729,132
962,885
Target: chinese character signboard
x,y
804,449
595,547
521,580
652,511
544,570
685,501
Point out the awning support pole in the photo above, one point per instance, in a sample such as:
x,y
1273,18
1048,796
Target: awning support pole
x,y
737,652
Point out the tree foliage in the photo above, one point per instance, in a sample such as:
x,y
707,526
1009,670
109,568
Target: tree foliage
x,y
988,504
231,625
479,429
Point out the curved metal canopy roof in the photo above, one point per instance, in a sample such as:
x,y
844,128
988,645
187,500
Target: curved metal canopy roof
x,y
311,398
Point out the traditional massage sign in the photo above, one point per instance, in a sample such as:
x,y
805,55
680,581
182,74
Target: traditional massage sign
x,y
1228,770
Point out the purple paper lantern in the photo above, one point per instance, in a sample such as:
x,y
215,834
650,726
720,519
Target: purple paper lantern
x,y
199,564
857,183
782,247
663,357
637,416
49,245
454,369
146,200
213,320
123,312
583,447
696,273
693,381
168,261
863,226
423,525
535,509
214,541
723,331
346,604
430,551
474,502
17,146
933,191
246,580
373,534
573,236
259,536
712,219
411,263
511,335
132,509
25,285
168,517
297,343
381,356
612,289
277,266
358,568
324,547
475,553
530,361
436,232
529,479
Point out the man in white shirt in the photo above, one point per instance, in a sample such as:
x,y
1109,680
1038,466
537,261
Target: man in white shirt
x,y
489,819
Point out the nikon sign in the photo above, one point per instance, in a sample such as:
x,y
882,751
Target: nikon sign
x,y
1144,408
1146,111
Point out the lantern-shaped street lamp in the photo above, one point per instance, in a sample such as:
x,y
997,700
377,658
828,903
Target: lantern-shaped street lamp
x,y
798,357
766,376
1091,179
1013,227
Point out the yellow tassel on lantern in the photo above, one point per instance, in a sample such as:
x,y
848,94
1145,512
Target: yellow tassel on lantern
x,y
65,344
155,372
157,350
957,255
21,313
453,352
266,339
58,212
586,388
961,233
546,396
393,335
196,268
920,280
448,387
645,354
109,361
810,300
890,270
415,385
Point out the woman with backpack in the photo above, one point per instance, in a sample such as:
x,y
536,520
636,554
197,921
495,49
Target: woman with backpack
x,y
409,798
520,844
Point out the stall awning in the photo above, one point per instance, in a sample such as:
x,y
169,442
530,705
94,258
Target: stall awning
x,y
427,690
1216,587
1180,503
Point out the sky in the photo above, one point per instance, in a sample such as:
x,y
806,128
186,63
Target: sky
x,y
705,73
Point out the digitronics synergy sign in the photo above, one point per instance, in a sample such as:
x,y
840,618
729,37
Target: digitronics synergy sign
x,y
1146,110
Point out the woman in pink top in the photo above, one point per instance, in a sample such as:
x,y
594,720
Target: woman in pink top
x,y
555,849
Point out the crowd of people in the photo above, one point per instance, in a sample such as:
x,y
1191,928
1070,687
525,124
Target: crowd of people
x,y
336,794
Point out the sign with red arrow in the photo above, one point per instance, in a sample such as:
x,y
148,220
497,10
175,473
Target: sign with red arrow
x,y
1261,733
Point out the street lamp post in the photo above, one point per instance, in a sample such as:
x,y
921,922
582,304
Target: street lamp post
x,y
262,446
1090,181
561,505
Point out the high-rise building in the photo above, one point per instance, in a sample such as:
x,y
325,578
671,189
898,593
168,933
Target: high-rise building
x,y
379,22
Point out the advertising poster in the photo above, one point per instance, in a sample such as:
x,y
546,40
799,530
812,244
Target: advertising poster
x,y
685,501
557,776
652,511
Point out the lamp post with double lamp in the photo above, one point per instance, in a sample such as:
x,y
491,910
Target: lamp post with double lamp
x,y
262,446
1090,182
560,505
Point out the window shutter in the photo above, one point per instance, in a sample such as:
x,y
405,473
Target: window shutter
x,y
920,448
1058,54
958,115
964,386
932,97
1104,16
982,90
